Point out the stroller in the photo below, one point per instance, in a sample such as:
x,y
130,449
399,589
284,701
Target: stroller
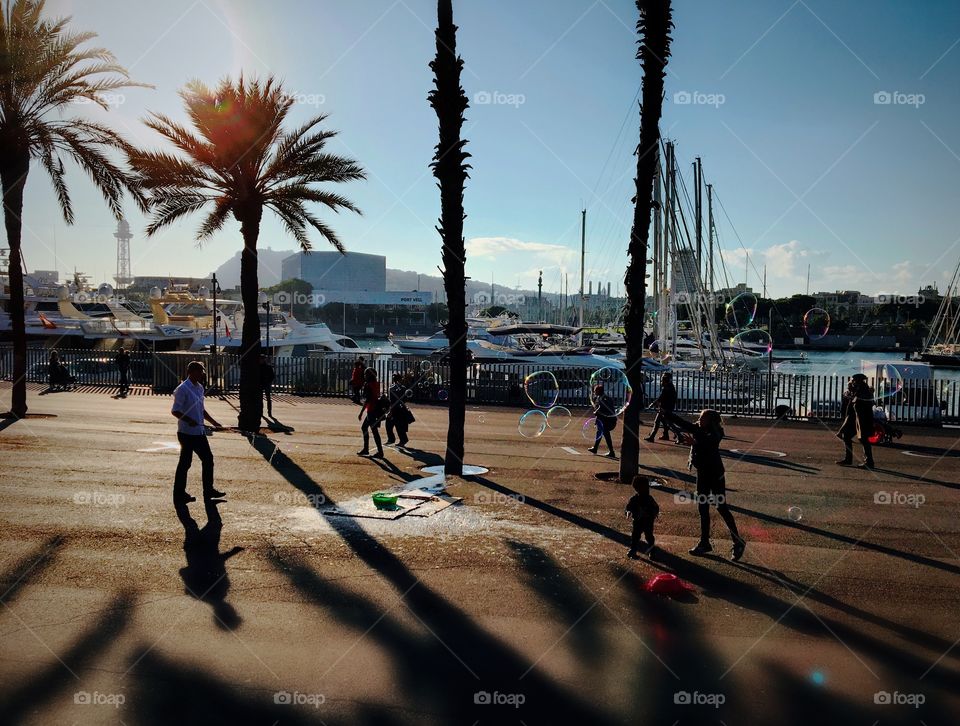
x,y
883,432
59,376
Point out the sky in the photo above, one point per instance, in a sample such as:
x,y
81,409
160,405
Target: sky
x,y
827,129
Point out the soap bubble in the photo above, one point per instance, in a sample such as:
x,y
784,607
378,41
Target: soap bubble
x,y
426,366
558,418
752,341
408,393
889,386
532,424
615,386
481,418
795,513
740,311
589,429
442,394
816,323
542,389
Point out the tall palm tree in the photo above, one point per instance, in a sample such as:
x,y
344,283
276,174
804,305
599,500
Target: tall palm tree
x,y
238,160
43,71
653,28
449,101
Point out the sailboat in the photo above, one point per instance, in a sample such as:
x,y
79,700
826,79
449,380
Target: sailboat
x,y
941,347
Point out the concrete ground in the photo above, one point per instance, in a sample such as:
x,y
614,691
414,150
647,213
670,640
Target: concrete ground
x,y
518,605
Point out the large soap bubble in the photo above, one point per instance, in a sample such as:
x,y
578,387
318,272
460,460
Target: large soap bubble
x,y
558,418
740,312
816,323
752,341
532,424
542,389
615,386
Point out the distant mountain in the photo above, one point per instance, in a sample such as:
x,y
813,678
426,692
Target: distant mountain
x,y
268,268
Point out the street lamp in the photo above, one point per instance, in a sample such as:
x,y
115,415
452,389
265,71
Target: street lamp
x,y
214,289
264,299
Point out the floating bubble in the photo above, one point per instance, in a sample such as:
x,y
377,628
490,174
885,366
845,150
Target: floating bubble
x,y
615,386
795,513
818,677
558,418
589,429
408,393
816,323
426,366
542,389
740,311
481,419
752,341
442,394
889,386
532,424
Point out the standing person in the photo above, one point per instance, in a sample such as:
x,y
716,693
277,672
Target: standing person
x,y
665,404
643,508
399,417
857,414
188,408
123,365
707,433
370,413
606,420
356,379
267,375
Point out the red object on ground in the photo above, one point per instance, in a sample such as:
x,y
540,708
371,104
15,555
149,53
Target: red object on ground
x,y
877,434
667,584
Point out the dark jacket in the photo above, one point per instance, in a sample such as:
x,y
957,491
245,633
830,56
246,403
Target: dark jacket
x,y
856,413
123,361
267,375
643,508
667,399
705,451
605,411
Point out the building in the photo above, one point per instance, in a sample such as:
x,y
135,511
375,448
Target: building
x,y
332,271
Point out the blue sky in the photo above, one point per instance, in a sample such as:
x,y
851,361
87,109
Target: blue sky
x,y
809,167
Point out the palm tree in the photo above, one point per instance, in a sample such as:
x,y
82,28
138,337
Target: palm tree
x,y
43,71
449,101
653,29
238,160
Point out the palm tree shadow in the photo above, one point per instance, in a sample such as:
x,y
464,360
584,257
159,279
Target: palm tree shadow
x,y
205,575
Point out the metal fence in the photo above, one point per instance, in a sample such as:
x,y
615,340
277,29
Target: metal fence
x,y
502,384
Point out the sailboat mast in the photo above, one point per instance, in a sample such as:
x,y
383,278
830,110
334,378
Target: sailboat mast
x,y
698,209
583,257
710,241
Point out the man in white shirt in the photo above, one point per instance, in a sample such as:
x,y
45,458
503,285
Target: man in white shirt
x,y
188,408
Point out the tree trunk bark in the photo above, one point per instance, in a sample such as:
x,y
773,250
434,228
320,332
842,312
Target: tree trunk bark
x,y
13,176
654,30
251,397
450,102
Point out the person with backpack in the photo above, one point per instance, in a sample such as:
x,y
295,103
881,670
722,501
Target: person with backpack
x,y
606,420
399,417
371,413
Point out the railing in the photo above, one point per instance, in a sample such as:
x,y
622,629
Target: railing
x,y
502,384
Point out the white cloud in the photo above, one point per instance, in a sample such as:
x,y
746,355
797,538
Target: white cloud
x,y
515,250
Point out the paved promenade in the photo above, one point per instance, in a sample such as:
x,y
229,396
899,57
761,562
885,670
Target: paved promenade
x,y
517,605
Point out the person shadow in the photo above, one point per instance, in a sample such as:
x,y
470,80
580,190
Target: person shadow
x,y
205,575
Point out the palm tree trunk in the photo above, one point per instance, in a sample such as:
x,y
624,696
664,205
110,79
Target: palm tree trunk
x,y
13,176
654,31
251,397
450,102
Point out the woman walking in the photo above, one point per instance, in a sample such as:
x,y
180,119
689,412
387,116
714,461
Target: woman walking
x,y
606,420
399,416
370,413
707,433
857,414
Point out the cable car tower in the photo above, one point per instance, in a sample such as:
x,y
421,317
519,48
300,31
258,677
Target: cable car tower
x,y
123,237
